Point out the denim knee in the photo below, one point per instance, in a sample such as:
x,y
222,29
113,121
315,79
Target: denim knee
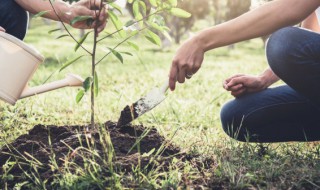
x,y
282,49
231,119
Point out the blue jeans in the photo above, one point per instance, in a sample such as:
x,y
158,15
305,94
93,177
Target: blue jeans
x,y
13,18
285,113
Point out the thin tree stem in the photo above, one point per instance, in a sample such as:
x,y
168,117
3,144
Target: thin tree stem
x,y
93,67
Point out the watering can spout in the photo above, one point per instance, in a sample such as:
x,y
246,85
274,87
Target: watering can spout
x,y
69,80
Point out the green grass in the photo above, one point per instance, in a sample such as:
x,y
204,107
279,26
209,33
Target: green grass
x,y
191,113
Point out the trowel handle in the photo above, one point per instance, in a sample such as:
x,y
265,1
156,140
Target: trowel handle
x,y
165,86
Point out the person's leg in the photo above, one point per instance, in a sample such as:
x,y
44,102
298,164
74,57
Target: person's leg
x,y
294,56
283,113
277,114
13,18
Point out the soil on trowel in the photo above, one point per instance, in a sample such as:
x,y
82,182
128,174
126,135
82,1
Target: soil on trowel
x,y
36,149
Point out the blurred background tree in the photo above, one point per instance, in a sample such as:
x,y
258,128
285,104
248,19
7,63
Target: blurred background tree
x,y
216,10
181,26
212,11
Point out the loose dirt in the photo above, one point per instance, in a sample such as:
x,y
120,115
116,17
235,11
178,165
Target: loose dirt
x,y
73,144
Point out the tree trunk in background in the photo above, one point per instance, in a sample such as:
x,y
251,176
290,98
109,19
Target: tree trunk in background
x,y
235,9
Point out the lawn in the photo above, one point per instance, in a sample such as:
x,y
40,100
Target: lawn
x,y
189,116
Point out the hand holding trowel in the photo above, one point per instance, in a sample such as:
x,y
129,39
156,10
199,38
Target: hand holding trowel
x,y
143,105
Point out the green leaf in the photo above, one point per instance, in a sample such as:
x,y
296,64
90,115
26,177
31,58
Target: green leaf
x,y
135,8
117,54
135,32
40,14
79,96
167,35
166,28
180,13
117,23
116,7
133,45
62,36
87,83
79,19
130,1
80,42
139,17
154,38
96,84
155,26
54,30
130,23
143,7
153,3
127,53
157,19
68,63
173,3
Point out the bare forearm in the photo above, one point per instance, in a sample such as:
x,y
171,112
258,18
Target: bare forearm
x,y
268,78
258,22
36,6
311,23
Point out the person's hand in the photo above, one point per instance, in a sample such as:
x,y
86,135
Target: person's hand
x,y
2,29
241,84
187,61
88,8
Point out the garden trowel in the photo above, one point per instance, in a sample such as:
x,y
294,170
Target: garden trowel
x,y
143,105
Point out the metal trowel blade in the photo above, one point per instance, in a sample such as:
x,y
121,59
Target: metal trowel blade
x,y
143,105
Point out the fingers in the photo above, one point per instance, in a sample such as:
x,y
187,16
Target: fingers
x,y
186,62
91,4
234,82
102,19
91,8
103,14
243,84
239,92
181,76
235,87
101,27
2,29
181,72
196,66
234,76
173,76
95,4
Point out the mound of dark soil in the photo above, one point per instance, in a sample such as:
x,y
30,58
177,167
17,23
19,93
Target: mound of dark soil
x,y
66,144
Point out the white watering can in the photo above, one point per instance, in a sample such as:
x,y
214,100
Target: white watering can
x,y
18,62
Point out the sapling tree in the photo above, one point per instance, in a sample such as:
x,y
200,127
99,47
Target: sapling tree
x,y
143,24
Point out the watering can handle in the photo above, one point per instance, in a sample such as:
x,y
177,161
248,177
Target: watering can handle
x,y
70,80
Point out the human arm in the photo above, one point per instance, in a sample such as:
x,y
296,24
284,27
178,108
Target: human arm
x,y
242,84
67,12
258,22
311,23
